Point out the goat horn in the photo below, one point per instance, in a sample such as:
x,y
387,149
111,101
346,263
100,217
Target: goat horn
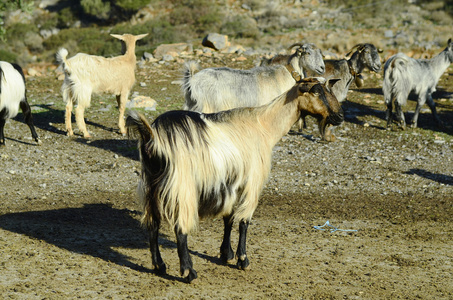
x,y
294,45
355,47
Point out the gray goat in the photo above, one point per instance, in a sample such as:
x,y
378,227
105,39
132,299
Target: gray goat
x,y
348,70
403,74
216,89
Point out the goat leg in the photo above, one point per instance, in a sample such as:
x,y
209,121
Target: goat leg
x,y
121,100
67,119
432,106
158,263
25,107
400,115
243,261
185,262
226,252
79,114
389,114
2,126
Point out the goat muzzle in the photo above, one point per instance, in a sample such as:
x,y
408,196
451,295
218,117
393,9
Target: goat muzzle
x,y
335,118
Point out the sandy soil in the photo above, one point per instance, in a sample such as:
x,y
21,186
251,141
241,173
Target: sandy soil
x,y
69,216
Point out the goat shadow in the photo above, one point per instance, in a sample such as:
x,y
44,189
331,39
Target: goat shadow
x,y
441,178
425,120
95,230
45,119
126,148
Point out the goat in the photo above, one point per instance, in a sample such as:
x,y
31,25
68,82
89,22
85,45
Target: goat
x,y
13,95
86,74
230,160
365,56
403,74
307,57
216,89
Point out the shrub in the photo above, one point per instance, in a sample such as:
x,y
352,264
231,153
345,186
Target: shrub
x,y
241,26
7,56
201,16
87,40
96,8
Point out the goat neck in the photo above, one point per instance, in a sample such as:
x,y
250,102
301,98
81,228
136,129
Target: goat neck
x,y
278,116
295,74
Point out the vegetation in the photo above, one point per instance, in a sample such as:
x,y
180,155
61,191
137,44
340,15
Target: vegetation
x,y
84,25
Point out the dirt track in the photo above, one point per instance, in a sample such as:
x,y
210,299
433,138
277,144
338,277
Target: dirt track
x,y
69,218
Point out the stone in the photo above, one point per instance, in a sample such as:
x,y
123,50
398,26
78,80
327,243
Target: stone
x,y
178,48
216,41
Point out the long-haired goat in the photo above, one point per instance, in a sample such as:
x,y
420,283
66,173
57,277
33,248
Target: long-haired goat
x,y
196,165
216,89
403,74
86,74
13,95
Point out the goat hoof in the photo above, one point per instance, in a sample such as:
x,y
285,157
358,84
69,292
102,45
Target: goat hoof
x,y
227,256
243,263
39,142
190,275
160,269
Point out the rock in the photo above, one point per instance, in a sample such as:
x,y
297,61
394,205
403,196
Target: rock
x,y
168,57
234,49
33,72
178,48
148,57
142,101
216,41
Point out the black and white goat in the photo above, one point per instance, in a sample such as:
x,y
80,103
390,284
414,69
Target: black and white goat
x,y
13,95
196,165
403,74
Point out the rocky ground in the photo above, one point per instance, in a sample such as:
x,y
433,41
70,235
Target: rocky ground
x,y
69,216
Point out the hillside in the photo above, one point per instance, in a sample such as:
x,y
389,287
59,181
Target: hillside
x,y
260,26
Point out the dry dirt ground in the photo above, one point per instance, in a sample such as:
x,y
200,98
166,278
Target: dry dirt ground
x,y
69,215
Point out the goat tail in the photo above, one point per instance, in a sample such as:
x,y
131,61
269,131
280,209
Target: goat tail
x,y
394,77
189,71
61,58
137,125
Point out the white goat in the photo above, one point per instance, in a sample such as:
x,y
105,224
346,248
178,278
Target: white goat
x,y
403,74
307,57
216,89
86,74
196,165
13,95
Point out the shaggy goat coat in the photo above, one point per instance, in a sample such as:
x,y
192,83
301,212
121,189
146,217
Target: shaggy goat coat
x,y
403,74
195,164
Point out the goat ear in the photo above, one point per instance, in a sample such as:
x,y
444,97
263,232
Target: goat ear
x,y
140,36
117,36
331,82
305,86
